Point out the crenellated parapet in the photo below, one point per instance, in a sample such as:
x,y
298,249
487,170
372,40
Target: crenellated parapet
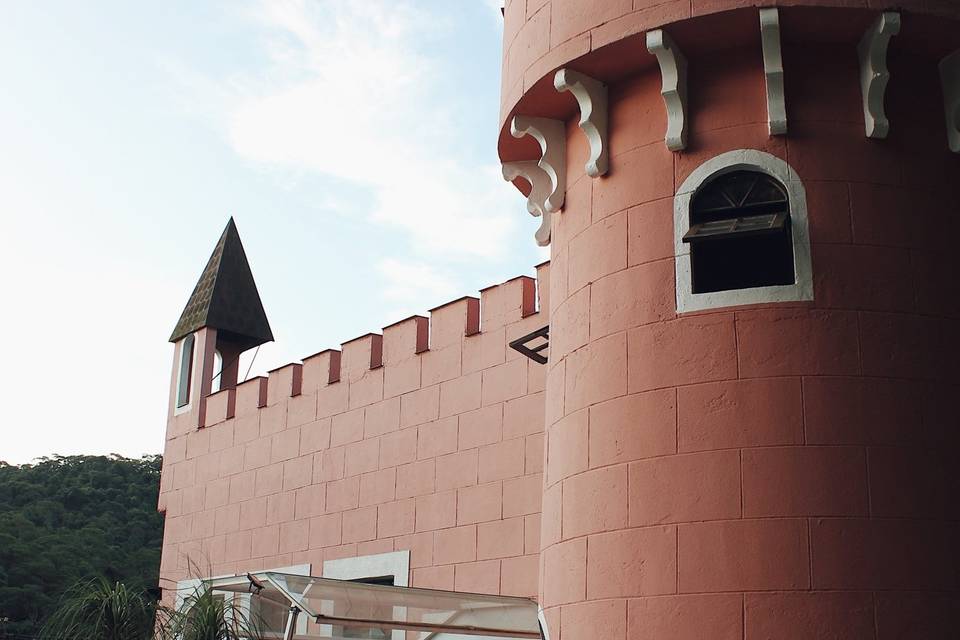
x,y
426,432
462,335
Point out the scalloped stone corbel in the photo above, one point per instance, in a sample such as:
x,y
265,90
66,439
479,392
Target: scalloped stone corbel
x,y
591,95
540,187
874,74
673,71
552,137
950,79
773,71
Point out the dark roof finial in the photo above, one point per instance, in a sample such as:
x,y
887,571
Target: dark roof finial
x,y
226,297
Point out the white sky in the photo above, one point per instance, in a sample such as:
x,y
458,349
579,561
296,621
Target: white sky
x,y
354,143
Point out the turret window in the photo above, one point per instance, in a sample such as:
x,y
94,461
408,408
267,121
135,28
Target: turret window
x,y
741,233
217,372
185,376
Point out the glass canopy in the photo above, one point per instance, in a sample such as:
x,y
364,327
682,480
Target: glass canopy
x,y
292,607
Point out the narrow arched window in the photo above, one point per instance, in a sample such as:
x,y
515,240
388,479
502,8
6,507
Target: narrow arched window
x,y
185,376
740,233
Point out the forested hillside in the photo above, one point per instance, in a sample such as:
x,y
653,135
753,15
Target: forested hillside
x,y
67,518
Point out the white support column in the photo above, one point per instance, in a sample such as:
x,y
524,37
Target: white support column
x,y
874,74
291,627
591,96
673,71
773,71
950,78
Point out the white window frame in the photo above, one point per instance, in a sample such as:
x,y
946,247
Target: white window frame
x,y
186,587
217,372
743,160
192,374
394,563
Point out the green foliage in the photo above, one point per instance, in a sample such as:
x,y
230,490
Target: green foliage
x,y
98,609
67,519
206,616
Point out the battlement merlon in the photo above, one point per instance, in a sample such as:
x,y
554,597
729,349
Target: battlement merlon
x,y
460,336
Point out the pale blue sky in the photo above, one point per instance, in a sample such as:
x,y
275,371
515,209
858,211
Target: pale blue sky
x,y
354,143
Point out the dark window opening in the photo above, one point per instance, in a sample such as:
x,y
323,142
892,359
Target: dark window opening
x,y
186,372
381,580
740,234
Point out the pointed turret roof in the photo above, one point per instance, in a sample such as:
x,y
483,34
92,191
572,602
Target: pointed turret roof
x,y
226,297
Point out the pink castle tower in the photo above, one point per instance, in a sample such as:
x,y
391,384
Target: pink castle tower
x,y
750,420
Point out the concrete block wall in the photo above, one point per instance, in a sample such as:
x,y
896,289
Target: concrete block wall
x,y
427,437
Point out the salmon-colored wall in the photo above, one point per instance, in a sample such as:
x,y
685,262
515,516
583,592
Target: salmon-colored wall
x,y
438,450
777,471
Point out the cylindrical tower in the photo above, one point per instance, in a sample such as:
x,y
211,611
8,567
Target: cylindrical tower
x,y
754,335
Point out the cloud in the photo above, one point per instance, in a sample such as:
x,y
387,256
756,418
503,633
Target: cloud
x,y
351,94
408,280
412,287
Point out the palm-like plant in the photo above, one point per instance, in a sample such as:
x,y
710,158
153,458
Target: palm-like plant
x,y
204,615
96,609
102,610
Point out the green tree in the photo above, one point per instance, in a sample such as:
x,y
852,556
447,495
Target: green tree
x,y
70,518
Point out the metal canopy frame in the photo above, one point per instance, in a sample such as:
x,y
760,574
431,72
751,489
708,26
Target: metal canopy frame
x,y
522,344
349,604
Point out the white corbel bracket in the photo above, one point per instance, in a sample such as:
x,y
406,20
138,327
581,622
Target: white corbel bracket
x,y
773,71
950,79
552,138
540,187
591,96
874,74
673,71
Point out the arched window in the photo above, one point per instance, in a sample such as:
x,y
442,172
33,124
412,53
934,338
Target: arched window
x,y
741,233
185,377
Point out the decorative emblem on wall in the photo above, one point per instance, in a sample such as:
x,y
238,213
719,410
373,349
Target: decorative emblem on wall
x,y
874,74
773,71
540,186
673,71
591,96
552,137
950,78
